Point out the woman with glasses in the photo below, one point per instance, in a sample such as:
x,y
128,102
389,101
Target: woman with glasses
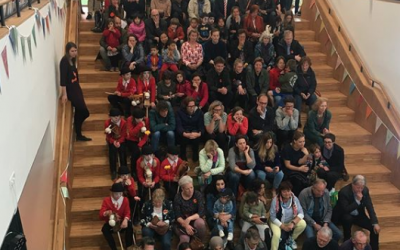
x,y
215,124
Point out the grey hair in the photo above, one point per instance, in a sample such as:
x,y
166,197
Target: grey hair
x,y
326,231
287,32
359,180
185,180
319,181
358,233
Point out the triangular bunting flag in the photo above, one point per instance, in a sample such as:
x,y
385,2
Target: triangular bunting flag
x,y
23,48
316,15
338,62
44,27
321,27
48,24
345,75
49,15
378,123
359,100
312,3
352,88
327,39
5,60
389,136
64,177
333,50
13,36
34,35
29,41
398,150
37,17
368,112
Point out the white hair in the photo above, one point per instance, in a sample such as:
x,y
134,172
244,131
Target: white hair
x,y
185,180
326,231
359,180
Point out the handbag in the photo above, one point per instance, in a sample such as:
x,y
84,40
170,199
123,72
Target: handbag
x,y
195,243
159,230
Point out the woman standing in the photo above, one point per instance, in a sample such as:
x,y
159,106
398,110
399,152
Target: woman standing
x,y
71,90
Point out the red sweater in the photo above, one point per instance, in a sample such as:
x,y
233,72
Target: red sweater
x,y
177,34
112,37
183,87
168,175
124,211
130,88
202,94
131,188
154,169
249,27
134,132
151,87
109,137
234,128
274,74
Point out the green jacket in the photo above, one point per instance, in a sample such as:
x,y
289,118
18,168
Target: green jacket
x,y
313,128
287,82
157,122
263,81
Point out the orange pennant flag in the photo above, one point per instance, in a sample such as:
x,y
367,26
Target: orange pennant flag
x,y
368,112
312,3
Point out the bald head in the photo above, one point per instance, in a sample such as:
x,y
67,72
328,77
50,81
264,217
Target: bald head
x,y
359,240
155,15
117,22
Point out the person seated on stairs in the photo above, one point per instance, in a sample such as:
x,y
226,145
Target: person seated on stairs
x,y
133,55
251,240
157,219
115,130
148,172
290,48
318,121
147,86
257,80
323,241
162,124
111,35
287,121
129,189
138,130
115,212
219,83
224,205
166,90
126,87
171,170
353,200
215,124
359,241
262,119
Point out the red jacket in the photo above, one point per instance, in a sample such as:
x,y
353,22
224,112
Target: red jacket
x,y
130,88
234,128
112,38
134,133
152,88
131,191
154,169
109,137
274,74
202,94
177,34
124,211
250,29
168,175
183,87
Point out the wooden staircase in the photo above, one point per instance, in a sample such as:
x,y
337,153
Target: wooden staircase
x,y
92,181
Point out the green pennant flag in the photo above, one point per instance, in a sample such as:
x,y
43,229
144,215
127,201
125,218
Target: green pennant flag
x,y
14,34
29,47
23,48
34,35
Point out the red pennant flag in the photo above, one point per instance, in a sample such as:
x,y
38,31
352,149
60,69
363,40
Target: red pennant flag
x,y
359,100
5,60
368,112
312,3
64,177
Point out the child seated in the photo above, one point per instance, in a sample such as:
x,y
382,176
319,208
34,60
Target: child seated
x,y
194,24
254,214
317,163
175,31
223,31
166,89
112,36
224,205
147,86
154,61
287,81
170,58
137,28
204,29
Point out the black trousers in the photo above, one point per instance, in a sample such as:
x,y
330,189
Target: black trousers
x,y
284,137
172,189
81,113
194,143
331,177
135,155
113,154
108,231
363,221
116,101
221,140
225,99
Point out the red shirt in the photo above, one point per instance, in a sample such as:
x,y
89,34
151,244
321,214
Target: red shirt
x,y
250,28
109,137
134,133
274,74
154,169
202,94
178,33
112,37
130,189
124,211
151,87
130,89
183,87
234,128
168,175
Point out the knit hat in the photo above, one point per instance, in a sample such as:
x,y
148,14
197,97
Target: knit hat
x,y
216,241
266,33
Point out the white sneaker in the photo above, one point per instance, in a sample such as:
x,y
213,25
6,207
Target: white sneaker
x,y
294,245
230,236
221,234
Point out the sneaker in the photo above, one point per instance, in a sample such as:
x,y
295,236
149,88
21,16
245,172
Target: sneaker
x,y
221,234
294,244
230,236
89,16
83,138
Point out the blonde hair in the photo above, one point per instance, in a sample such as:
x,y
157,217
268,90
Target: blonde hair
x,y
158,195
210,146
215,104
264,153
318,103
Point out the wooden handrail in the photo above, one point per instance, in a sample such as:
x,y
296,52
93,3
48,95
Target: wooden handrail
x,y
372,90
64,130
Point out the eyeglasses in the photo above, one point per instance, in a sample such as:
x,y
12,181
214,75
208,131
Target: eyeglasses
x,y
263,103
155,15
217,110
191,106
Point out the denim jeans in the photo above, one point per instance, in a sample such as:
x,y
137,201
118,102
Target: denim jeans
x,y
277,177
230,226
337,234
235,178
155,139
165,239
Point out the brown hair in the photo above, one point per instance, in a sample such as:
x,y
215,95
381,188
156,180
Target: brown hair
x,y
318,102
305,59
264,153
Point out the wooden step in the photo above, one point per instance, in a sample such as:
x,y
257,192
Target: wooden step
x,y
335,98
89,166
86,209
96,147
350,133
389,238
310,46
304,35
89,37
317,57
327,84
87,234
86,25
95,122
301,23
388,216
373,173
95,89
98,105
90,62
361,154
322,71
89,49
96,75
91,186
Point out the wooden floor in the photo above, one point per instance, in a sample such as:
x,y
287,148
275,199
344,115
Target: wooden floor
x,y
91,172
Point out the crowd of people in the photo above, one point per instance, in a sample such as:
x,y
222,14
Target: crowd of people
x,y
228,80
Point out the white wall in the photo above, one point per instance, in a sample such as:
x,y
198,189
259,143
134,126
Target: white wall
x,y
373,27
28,103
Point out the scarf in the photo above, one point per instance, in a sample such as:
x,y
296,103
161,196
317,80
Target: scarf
x,y
291,204
328,153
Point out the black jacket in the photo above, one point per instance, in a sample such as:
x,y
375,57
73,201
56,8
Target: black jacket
x,y
247,50
336,162
306,82
152,31
295,49
219,8
216,81
256,122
